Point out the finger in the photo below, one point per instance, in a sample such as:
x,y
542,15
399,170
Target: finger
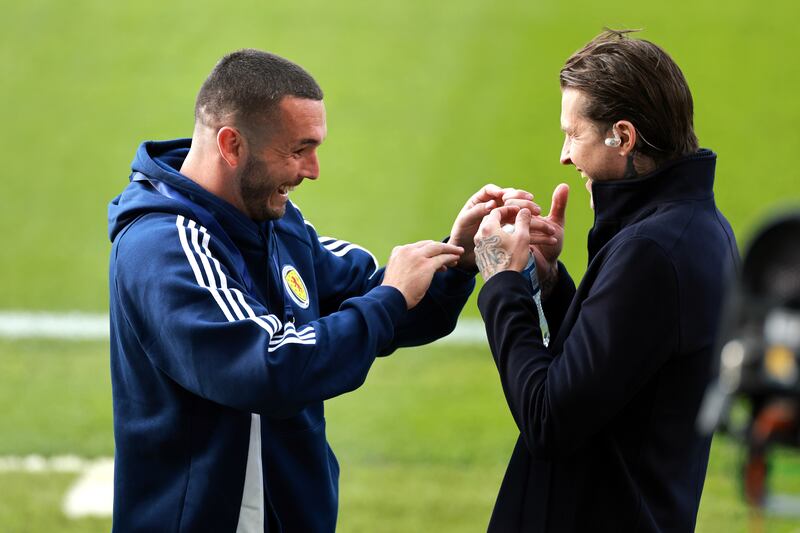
x,y
558,208
530,206
434,249
507,213
523,222
440,261
490,224
542,239
539,237
497,214
518,194
422,244
476,212
540,225
487,192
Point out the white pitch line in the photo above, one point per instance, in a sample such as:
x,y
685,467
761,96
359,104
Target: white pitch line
x,y
92,494
77,326
66,326
468,331
40,464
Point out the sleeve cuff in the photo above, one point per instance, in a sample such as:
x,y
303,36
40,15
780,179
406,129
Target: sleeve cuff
x,y
506,282
392,299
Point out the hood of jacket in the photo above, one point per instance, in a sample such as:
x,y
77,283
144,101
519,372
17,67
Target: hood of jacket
x,y
161,161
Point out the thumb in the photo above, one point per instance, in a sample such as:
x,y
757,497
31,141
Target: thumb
x,y
558,209
522,225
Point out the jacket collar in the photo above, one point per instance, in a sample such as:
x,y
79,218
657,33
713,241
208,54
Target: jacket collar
x,y
162,160
620,203
686,178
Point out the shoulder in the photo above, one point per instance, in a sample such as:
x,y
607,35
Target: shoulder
x,y
157,245
639,256
152,231
668,224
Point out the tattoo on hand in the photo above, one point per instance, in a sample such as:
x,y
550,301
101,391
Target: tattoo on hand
x,y
490,257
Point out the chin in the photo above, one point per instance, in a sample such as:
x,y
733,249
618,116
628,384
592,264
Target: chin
x,y
266,213
271,210
277,211
274,213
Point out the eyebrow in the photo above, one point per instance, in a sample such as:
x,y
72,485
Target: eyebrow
x,y
310,141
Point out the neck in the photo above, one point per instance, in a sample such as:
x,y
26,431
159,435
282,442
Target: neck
x,y
638,165
204,166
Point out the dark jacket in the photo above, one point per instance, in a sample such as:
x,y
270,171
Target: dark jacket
x,y
607,412
225,341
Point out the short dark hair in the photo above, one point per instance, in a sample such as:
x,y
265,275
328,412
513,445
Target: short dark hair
x,y
635,80
246,87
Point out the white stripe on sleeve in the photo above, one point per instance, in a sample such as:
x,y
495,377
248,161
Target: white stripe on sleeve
x,y
339,248
280,334
193,262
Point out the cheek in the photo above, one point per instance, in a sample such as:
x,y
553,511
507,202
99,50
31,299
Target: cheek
x,y
286,167
578,153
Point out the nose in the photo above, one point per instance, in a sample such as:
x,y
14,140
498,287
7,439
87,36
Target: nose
x,y
565,157
310,169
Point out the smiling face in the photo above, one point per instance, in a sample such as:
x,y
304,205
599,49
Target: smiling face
x,y
280,163
584,145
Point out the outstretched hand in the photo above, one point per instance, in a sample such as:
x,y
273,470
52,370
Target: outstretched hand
x,y
411,267
547,252
477,207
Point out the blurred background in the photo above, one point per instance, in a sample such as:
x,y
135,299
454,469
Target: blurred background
x,y
426,102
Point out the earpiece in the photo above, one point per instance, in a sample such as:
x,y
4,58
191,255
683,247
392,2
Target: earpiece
x,y
614,141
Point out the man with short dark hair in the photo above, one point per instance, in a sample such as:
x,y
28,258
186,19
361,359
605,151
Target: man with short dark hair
x,y
607,411
232,320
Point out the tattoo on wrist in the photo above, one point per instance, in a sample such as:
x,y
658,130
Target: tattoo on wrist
x,y
490,257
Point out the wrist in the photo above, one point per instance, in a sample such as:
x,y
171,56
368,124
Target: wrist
x,y
549,279
467,265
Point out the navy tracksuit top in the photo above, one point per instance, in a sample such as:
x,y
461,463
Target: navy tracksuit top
x,y
218,386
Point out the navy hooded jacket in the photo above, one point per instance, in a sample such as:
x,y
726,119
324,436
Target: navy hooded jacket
x,y
219,375
607,413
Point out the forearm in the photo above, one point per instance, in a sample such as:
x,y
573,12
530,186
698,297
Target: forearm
x,y
622,333
522,360
437,314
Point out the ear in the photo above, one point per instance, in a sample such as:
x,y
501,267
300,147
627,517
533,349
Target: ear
x,y
231,146
627,133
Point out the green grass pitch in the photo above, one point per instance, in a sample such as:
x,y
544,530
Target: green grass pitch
x,y
426,102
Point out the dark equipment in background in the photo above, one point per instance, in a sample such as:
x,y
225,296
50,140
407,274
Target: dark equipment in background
x,y
759,357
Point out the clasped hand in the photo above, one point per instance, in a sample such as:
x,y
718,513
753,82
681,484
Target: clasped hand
x,y
497,250
477,241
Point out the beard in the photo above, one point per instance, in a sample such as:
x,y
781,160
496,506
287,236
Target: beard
x,y
257,187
